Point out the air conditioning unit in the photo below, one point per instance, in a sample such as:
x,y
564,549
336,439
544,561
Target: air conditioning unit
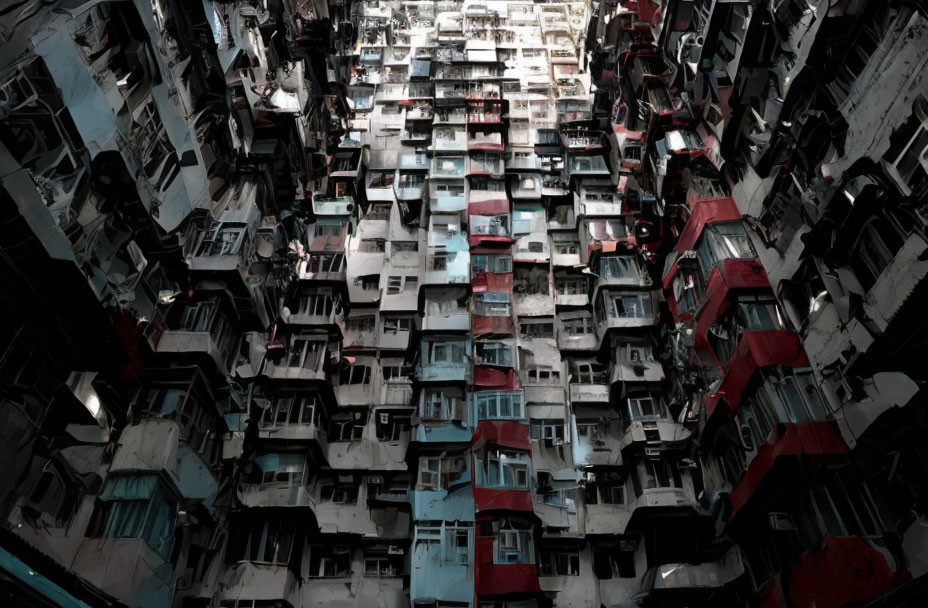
x,y
395,550
781,522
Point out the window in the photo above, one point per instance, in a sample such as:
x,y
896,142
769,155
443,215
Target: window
x,y
359,325
629,306
290,409
657,473
571,286
578,326
305,353
381,563
356,373
508,469
339,493
910,160
381,179
321,229
566,247
721,241
181,405
267,542
619,267
390,426
206,316
220,239
489,304
786,395
542,375
329,561
445,404
549,431
494,353
397,324
136,506
481,263
347,426
456,544
316,304
325,262
588,373
514,543
644,406
443,472
533,329
840,504
276,468
446,352
559,562
372,246
394,284
499,405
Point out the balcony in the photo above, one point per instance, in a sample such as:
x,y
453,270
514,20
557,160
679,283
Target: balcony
x,y
597,440
299,357
449,139
624,309
446,310
492,142
588,383
587,165
322,267
448,167
199,328
413,162
445,361
333,207
523,162
408,186
575,331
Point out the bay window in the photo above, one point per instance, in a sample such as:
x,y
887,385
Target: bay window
x,y
721,241
443,404
508,469
443,472
499,405
494,353
136,506
490,304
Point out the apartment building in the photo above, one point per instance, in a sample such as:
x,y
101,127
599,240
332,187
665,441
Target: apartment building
x,y
482,304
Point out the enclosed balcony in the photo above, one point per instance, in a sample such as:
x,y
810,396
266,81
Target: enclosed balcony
x,y
505,557
321,266
443,489
224,246
576,331
448,167
446,309
449,139
588,382
581,166
294,415
408,186
445,359
300,356
200,327
314,306
620,309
